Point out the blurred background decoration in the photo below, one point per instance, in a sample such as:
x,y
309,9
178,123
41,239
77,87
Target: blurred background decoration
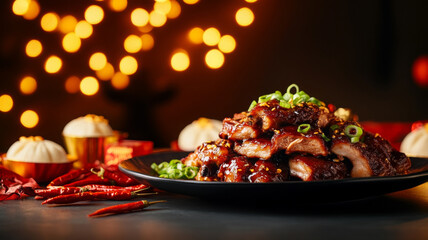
x,y
152,67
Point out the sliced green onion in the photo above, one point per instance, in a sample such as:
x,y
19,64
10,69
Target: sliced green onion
x,y
287,96
175,173
264,98
353,131
174,162
291,87
325,137
253,104
154,166
303,128
175,169
334,127
191,172
284,104
289,99
277,95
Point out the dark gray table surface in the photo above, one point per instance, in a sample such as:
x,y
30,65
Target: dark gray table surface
x,y
401,215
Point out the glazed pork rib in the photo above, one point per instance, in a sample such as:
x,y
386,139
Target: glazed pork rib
x,y
310,168
269,116
373,157
287,139
266,144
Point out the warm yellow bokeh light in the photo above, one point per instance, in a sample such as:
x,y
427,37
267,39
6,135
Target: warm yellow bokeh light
x,y
97,61
195,35
106,73
72,84
147,42
251,1
227,44
139,17
175,10
49,22
67,24
132,44
128,65
214,59
120,81
53,64
118,5
180,61
163,7
94,14
211,36
71,42
89,86
190,2
83,29
157,19
28,85
6,103
20,7
29,119
244,16
146,29
33,48
33,10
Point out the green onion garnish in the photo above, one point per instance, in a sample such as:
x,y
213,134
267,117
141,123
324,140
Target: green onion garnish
x,y
325,137
175,169
289,99
353,132
303,128
334,127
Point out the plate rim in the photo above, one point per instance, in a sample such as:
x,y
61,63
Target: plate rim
x,y
410,176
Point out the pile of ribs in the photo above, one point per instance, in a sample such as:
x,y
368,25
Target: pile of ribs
x,y
264,145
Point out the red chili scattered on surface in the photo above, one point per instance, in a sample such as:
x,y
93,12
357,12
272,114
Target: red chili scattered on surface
x,y
120,178
89,196
56,191
92,179
109,188
68,177
122,208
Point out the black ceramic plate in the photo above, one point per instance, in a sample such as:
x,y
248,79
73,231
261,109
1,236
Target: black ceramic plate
x,y
331,190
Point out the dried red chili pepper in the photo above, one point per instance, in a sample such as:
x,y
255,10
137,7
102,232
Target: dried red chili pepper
x,y
122,208
120,178
61,190
109,188
89,196
68,177
92,179
55,191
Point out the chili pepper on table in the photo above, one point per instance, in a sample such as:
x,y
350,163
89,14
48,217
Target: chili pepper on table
x,y
89,196
92,179
56,191
109,188
120,178
122,208
68,177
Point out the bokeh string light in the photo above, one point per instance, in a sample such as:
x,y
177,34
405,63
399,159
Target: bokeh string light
x,y
145,21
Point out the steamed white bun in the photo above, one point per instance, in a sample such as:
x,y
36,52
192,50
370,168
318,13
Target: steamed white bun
x,y
88,126
36,149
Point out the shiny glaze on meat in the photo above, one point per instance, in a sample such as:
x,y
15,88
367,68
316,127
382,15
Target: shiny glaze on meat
x,y
263,145
310,168
254,148
292,141
268,171
273,116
